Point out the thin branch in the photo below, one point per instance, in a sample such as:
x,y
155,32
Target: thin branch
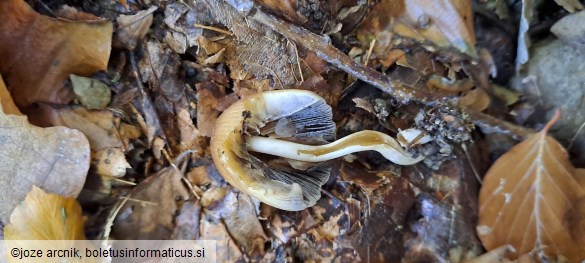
x,y
369,54
219,30
321,46
491,124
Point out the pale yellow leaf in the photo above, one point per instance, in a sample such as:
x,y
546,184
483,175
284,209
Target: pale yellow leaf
x,y
45,216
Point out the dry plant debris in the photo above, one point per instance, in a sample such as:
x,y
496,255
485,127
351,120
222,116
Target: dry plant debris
x,y
132,28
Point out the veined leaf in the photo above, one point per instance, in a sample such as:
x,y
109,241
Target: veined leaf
x,y
526,196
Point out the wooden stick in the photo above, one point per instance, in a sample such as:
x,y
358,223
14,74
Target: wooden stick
x,y
321,46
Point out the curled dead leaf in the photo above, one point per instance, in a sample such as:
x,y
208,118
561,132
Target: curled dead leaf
x,y
38,52
238,214
212,228
132,28
525,197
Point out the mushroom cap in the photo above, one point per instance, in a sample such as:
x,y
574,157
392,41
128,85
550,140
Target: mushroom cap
x,y
238,167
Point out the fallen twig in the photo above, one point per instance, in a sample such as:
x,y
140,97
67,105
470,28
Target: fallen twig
x,y
321,46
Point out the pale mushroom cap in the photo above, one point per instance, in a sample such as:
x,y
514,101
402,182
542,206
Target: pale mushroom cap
x,y
231,159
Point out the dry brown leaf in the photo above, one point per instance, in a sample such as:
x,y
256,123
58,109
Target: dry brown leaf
x,y
38,52
181,18
155,69
213,196
286,8
210,47
211,228
71,13
576,217
208,95
187,221
238,214
391,57
198,176
257,52
525,197
55,159
98,126
152,218
576,221
45,216
132,28
190,137
580,174
6,100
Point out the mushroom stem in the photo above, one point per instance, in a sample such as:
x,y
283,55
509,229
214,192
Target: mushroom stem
x,y
357,142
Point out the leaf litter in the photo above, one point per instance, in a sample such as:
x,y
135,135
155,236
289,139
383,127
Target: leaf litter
x,y
176,66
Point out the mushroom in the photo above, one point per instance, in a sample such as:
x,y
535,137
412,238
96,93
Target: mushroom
x,y
300,123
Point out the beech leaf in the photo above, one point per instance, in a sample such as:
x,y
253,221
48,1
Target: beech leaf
x,y
55,159
526,196
45,216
